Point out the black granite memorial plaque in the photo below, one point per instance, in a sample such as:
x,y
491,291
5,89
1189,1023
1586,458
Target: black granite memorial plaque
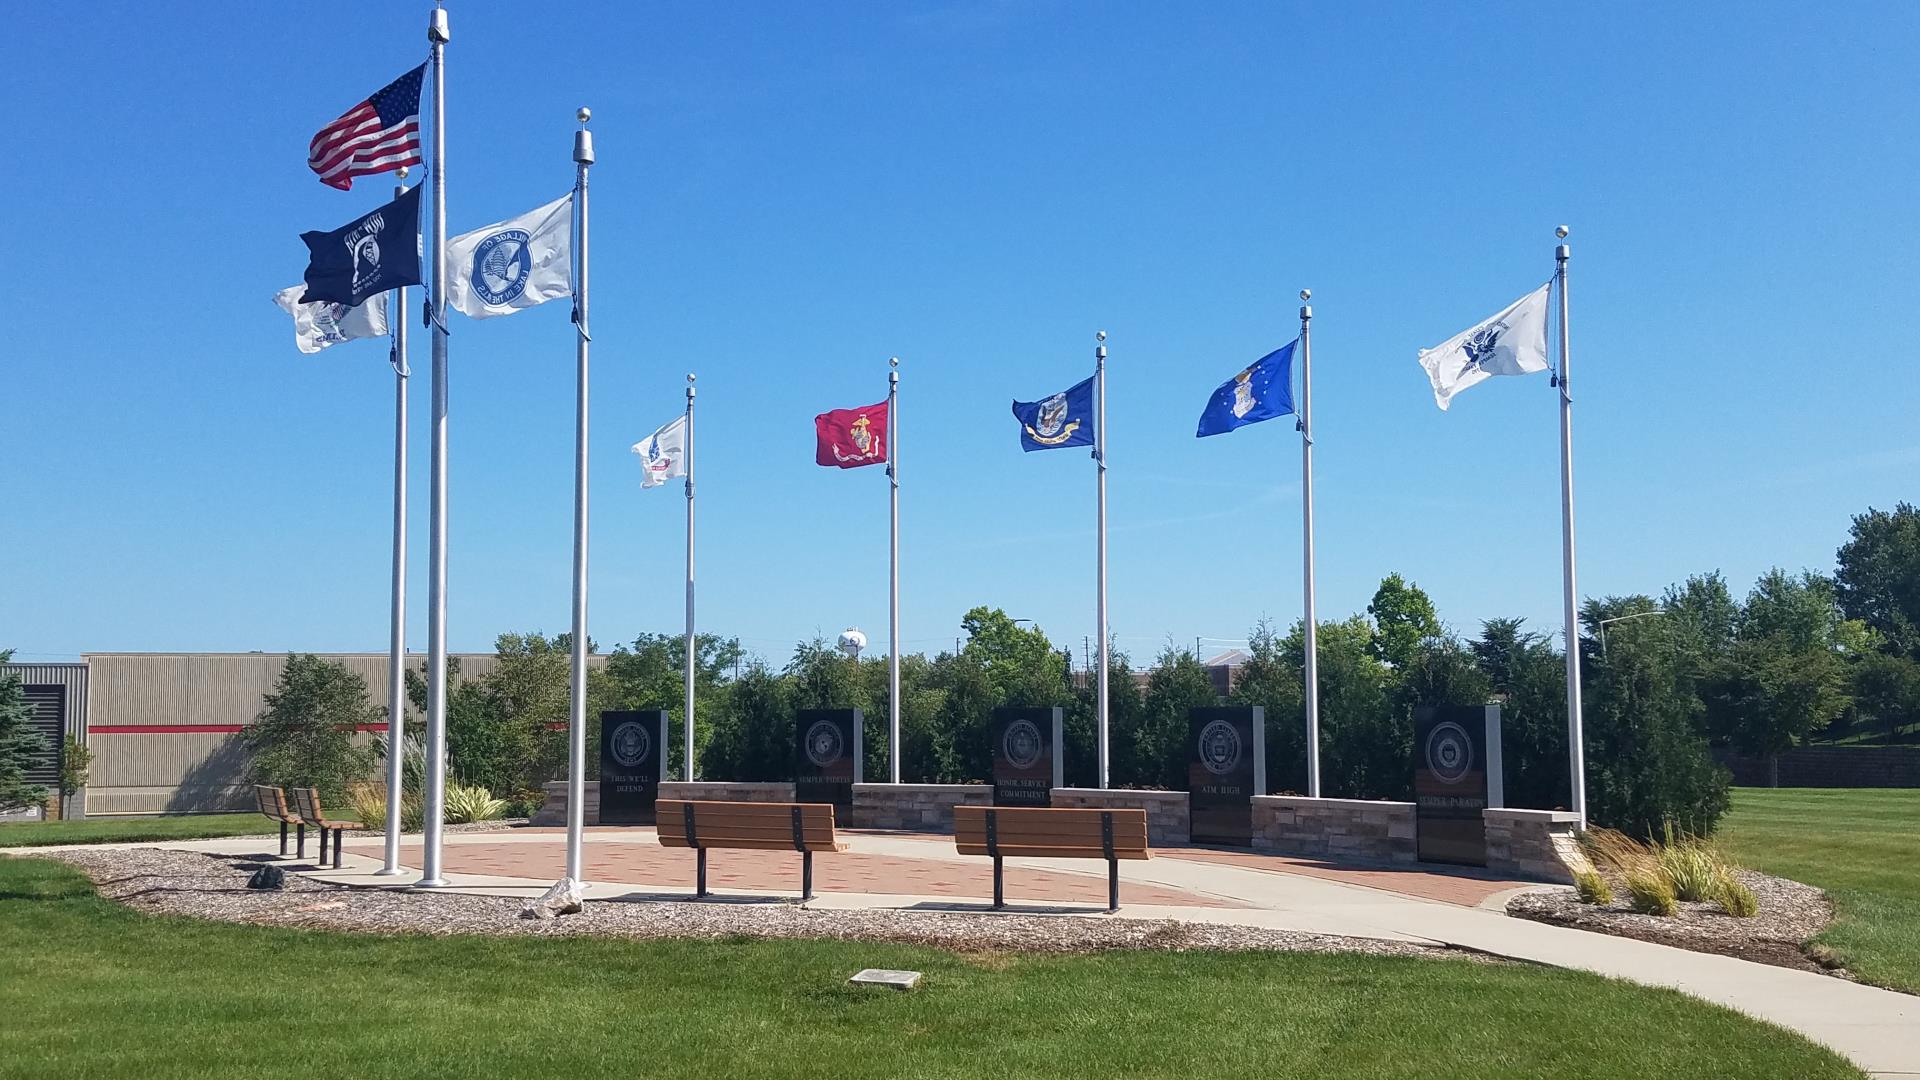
x,y
1027,764
1456,775
633,753
826,762
1226,768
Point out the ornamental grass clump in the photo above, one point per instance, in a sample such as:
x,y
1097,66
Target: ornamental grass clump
x,y
368,803
1696,871
1593,888
1736,899
466,804
1650,893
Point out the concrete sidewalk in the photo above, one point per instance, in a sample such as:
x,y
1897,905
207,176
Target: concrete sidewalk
x,y
1879,1030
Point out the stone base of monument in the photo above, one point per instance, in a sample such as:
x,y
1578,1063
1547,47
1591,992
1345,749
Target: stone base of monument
x,y
914,807
1168,821
1365,829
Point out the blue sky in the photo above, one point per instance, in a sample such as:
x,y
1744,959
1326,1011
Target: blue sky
x,y
789,194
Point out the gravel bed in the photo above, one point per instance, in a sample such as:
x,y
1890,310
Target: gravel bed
x,y
213,887
1789,915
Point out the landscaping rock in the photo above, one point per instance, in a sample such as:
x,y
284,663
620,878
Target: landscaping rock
x,y
566,897
268,877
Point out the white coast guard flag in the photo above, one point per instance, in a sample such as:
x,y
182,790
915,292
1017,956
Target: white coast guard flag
x,y
513,264
1513,342
663,454
316,326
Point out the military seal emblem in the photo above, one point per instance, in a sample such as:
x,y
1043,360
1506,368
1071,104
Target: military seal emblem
x,y
1449,752
1021,746
1481,344
631,744
824,743
1219,747
1050,425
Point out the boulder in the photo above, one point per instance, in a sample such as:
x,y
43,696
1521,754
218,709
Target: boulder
x,y
268,877
566,897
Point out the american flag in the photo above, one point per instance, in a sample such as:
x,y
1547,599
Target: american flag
x,y
378,135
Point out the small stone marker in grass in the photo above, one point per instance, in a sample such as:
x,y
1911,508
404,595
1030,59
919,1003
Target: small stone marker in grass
x,y
893,980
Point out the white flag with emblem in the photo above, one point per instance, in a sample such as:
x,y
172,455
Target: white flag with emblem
x,y
513,264
663,454
1513,342
316,326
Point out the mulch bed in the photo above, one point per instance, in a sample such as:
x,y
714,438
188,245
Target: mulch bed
x,y
206,886
1789,915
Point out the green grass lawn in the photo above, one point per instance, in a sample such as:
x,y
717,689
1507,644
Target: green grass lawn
x,y
88,988
1862,845
123,830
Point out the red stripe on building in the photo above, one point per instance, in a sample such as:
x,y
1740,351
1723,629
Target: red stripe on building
x,y
188,729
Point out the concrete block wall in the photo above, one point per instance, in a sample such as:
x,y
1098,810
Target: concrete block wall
x,y
1536,844
1168,820
1334,828
914,807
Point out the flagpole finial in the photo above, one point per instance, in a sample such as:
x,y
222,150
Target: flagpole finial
x,y
893,361
690,376
401,172
1561,231
1306,295
585,114
437,26
1099,335
583,139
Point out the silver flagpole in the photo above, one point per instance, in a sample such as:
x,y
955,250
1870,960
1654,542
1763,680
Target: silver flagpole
x,y
436,793
687,771
397,630
1100,457
1576,746
1311,631
582,338
893,578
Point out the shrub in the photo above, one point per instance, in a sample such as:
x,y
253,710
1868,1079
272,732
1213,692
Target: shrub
x,y
303,736
466,804
1593,888
525,804
1650,893
1736,899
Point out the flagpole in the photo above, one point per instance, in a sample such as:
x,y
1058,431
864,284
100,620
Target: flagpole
x,y
893,578
1100,457
687,772
397,629
577,705
1311,633
1576,746
436,793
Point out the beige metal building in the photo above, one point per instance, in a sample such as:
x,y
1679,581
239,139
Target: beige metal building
x,y
164,727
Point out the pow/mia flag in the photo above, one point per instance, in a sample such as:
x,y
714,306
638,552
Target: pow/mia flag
x,y
367,256
1513,342
1262,392
512,264
317,326
1065,419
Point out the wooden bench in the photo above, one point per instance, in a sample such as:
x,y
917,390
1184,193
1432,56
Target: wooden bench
x,y
272,802
802,827
306,805
1044,833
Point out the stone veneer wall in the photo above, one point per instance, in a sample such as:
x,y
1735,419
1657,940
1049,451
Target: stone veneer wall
x,y
1536,844
553,812
1168,821
1339,828
915,807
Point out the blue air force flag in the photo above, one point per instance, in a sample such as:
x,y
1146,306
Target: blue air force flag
x,y
1513,342
367,256
1261,392
663,454
513,264
317,326
1065,419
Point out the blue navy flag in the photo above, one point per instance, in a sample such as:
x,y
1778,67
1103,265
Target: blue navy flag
x,y
1261,392
366,256
1065,419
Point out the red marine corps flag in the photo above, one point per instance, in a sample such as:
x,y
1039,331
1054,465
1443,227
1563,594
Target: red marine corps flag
x,y
850,438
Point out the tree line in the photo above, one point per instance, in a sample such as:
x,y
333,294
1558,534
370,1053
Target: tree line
x,y
1804,654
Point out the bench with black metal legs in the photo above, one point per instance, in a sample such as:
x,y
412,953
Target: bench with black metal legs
x,y
306,806
802,827
272,802
1048,833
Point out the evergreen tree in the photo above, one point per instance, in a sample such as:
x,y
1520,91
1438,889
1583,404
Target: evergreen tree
x,y
21,745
